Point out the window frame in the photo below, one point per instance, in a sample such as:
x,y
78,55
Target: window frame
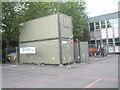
x,y
103,24
109,23
92,25
97,25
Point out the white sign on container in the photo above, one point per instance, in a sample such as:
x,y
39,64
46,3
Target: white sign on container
x,y
64,42
27,50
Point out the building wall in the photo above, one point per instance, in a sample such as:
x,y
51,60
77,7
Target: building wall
x,y
104,30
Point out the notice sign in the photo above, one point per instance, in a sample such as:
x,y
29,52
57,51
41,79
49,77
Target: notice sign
x,y
27,50
64,42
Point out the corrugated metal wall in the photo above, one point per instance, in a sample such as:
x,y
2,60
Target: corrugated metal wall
x,y
46,35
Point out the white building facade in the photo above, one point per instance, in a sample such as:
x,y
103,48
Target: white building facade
x,y
104,31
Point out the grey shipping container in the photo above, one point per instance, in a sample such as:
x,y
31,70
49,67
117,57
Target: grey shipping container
x,y
77,52
48,27
84,56
49,52
81,52
50,36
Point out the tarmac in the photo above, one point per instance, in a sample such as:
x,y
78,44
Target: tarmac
x,y
99,73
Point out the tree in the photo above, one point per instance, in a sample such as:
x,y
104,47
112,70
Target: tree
x,y
11,19
74,9
77,11
37,9
14,13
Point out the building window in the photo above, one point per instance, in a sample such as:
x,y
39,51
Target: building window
x,y
97,26
109,25
91,26
110,41
92,42
117,44
103,24
104,41
117,41
98,41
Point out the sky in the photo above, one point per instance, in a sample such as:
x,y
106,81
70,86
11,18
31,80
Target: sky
x,y
101,7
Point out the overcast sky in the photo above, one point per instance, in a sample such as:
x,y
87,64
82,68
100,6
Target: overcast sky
x,y
100,7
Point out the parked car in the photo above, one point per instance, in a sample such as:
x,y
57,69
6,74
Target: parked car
x,y
12,57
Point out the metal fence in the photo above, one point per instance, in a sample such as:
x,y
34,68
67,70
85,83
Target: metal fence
x,y
101,49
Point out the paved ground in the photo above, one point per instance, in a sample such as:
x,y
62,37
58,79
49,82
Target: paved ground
x,y
100,73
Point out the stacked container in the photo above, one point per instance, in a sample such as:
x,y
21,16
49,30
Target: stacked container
x,y
81,52
50,36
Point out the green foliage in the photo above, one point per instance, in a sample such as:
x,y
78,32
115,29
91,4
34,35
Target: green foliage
x,y
36,10
14,13
77,11
11,19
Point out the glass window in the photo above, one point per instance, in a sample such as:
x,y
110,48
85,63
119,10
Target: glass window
x,y
103,24
110,41
117,44
104,41
109,25
98,41
110,44
92,42
97,25
91,26
117,41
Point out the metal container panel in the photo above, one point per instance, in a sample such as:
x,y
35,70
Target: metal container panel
x,y
46,52
67,51
84,51
76,52
39,29
66,28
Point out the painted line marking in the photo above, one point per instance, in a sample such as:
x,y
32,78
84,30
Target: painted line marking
x,y
52,78
39,81
92,78
92,83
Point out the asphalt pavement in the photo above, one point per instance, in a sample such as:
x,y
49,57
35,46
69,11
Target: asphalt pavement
x,y
99,73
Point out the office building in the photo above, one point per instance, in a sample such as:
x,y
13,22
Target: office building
x,y
104,31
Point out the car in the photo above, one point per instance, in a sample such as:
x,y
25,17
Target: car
x,y
12,57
